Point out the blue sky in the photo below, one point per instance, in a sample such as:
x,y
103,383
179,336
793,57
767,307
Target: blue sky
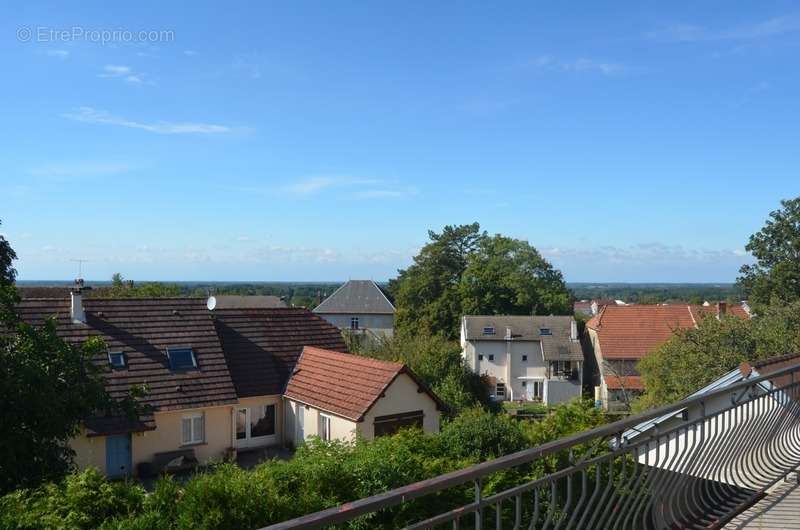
x,y
321,140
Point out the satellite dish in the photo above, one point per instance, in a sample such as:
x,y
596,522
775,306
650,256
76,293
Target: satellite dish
x,y
211,303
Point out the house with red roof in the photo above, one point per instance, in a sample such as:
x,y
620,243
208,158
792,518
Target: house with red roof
x,y
621,336
225,380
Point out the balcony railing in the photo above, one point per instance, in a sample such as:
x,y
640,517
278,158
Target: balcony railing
x,y
696,464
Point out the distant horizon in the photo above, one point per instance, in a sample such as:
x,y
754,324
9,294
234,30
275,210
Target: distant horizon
x,y
59,283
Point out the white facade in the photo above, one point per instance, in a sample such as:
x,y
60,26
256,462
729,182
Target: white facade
x,y
519,370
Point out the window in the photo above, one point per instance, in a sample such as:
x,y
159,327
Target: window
x,y
193,429
491,357
488,331
388,425
354,323
480,356
537,390
545,331
263,421
524,384
524,357
561,368
324,427
181,359
116,359
500,390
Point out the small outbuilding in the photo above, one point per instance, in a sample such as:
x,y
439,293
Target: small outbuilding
x,y
337,395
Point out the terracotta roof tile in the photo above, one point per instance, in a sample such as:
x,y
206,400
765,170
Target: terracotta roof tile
x,y
631,332
344,384
630,382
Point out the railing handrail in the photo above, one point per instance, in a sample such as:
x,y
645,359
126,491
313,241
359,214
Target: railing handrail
x,y
396,496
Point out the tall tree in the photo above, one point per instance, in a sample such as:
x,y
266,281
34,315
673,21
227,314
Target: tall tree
x,y
776,274
464,271
509,276
7,255
427,293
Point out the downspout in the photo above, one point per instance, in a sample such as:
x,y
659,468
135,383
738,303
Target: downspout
x,y
509,385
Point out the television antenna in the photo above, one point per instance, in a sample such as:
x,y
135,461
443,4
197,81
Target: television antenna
x,y
80,263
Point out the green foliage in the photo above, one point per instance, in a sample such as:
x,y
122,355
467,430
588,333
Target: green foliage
x,y
656,293
427,298
121,288
478,435
695,357
463,270
509,277
46,387
438,362
7,256
83,500
775,277
321,475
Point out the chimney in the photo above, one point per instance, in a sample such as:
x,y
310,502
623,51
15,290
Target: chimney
x,y
722,309
76,308
508,333
573,330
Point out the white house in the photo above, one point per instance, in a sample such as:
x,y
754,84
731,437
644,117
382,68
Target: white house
x,y
527,358
360,307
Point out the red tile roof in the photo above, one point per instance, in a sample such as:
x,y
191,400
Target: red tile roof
x,y
631,332
262,345
344,384
630,382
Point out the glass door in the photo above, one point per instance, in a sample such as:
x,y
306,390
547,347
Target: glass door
x,y
242,426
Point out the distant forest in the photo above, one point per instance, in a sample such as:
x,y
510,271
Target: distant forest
x,y
310,294
655,293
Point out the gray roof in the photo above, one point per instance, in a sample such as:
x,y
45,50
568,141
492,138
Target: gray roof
x,y
558,346
227,301
356,296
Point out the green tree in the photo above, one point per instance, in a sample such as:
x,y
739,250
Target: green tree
x,y
121,288
463,270
438,362
427,293
509,276
7,255
694,357
776,274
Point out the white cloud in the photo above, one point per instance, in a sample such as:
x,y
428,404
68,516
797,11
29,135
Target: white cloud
x,y
244,238
57,53
316,184
124,73
580,65
189,53
773,27
91,115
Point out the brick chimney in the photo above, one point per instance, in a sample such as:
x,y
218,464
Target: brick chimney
x,y
76,311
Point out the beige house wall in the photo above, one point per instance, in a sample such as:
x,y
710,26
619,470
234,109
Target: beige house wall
x,y
167,436
89,452
341,428
401,396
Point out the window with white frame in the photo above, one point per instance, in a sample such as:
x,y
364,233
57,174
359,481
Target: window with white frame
x,y
491,357
537,390
324,427
193,429
500,390
116,359
353,322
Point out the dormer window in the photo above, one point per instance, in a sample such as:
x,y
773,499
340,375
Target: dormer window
x,y
488,331
181,359
116,359
545,331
